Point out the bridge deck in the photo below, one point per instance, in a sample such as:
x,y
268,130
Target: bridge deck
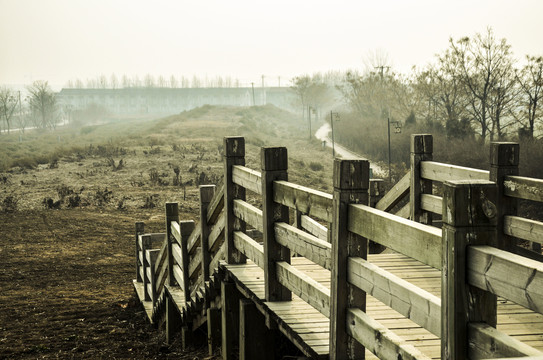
x,y
309,329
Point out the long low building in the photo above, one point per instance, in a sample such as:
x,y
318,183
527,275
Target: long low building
x,y
143,100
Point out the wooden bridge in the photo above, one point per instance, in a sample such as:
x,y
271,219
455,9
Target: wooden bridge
x,y
271,257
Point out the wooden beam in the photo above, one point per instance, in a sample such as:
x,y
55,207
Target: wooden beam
x,y
418,241
396,194
140,229
248,213
304,286
445,172
219,255
172,217
186,229
421,150
249,248
314,228
248,178
193,241
431,203
274,164
307,245
256,341
524,188
511,276
230,297
522,228
381,341
314,203
486,342
206,195
404,212
216,205
409,300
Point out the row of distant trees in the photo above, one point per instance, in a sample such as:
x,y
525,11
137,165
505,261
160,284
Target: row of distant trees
x,y
150,81
37,108
474,86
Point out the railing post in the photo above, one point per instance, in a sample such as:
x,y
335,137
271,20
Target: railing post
x,y
145,245
377,191
274,164
172,214
140,229
234,154
206,194
504,160
152,257
351,183
421,150
186,228
469,218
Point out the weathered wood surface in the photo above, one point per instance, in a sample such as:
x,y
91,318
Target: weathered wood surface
x,y
522,228
445,172
431,203
248,213
219,256
250,248
216,233
485,342
193,241
510,276
422,147
404,212
314,228
248,178
409,300
312,202
396,194
524,188
419,241
378,338
307,245
216,205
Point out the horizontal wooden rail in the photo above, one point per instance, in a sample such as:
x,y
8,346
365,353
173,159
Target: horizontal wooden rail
x,y
216,233
304,286
524,188
314,228
195,263
508,275
307,245
215,205
176,231
436,171
404,212
486,342
247,178
409,300
250,248
176,254
431,203
161,256
220,255
396,194
248,213
194,240
378,339
314,203
525,229
418,241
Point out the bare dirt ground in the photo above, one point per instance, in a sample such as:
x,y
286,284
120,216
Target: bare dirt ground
x,y
66,238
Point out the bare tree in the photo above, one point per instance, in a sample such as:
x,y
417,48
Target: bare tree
x,y
125,82
173,81
8,104
161,81
114,81
530,79
43,104
149,81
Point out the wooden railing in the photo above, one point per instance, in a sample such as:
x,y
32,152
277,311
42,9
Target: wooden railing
x,y
476,266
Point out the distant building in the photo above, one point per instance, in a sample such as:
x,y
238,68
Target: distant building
x,y
140,100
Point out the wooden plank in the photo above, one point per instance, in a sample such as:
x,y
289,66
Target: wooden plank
x,y
508,275
176,254
378,339
314,203
522,228
419,241
485,342
412,302
193,241
216,233
162,256
311,291
216,205
307,245
248,178
206,195
256,341
524,188
431,203
396,194
195,264
445,172
219,255
314,228
176,231
405,211
248,213
250,248
140,229
178,274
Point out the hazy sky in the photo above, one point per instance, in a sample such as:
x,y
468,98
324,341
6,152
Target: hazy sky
x,y
59,40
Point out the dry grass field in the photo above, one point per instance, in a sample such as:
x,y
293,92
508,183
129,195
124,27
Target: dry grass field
x,y
68,204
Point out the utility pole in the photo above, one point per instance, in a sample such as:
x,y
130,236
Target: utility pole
x,y
332,114
279,81
253,87
382,68
309,116
263,92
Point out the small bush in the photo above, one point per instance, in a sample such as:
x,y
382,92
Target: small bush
x,y
103,197
315,166
10,204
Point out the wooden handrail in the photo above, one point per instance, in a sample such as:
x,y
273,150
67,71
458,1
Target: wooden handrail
x,y
398,192
436,171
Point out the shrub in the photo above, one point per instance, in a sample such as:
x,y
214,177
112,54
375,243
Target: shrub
x,y
315,166
10,204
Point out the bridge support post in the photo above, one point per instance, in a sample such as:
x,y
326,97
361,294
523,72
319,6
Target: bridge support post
x,y
256,341
351,183
172,214
140,229
504,160
469,218
234,154
230,297
421,150
274,163
213,328
173,320
206,194
377,191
